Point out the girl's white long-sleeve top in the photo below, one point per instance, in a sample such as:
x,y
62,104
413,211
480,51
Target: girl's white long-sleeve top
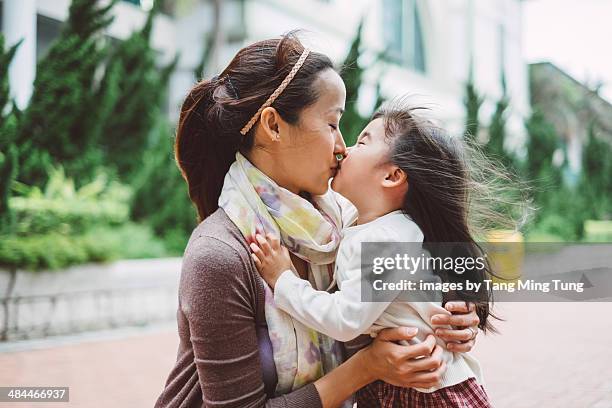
x,y
343,316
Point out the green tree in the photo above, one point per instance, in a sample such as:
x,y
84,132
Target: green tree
x,y
542,142
596,177
54,127
497,130
142,89
352,73
6,56
560,209
8,149
160,194
472,101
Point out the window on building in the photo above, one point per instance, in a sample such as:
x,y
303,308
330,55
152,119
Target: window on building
x,y
403,33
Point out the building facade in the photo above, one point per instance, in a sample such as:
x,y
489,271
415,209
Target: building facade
x,y
430,44
572,108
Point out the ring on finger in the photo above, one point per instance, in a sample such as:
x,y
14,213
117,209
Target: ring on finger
x,y
474,333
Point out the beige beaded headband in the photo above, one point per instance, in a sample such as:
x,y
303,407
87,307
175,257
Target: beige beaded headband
x,y
277,92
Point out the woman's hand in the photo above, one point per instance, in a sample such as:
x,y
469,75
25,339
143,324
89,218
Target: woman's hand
x,y
464,321
270,257
419,365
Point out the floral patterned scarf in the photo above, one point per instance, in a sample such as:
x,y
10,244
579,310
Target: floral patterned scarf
x,y
311,231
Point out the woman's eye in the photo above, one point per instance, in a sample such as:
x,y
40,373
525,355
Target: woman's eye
x,y
335,127
360,143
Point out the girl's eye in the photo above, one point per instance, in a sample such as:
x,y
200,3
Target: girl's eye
x,y
360,143
334,127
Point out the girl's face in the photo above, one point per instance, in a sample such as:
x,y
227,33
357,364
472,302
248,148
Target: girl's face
x,y
365,166
307,155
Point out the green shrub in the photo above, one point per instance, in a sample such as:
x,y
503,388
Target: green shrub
x,y
540,236
598,231
129,241
49,251
55,250
63,209
63,226
40,216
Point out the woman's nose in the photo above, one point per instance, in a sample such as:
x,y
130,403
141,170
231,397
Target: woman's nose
x,y
340,146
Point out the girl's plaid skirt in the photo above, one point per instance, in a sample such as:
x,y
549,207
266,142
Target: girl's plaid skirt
x,y
379,394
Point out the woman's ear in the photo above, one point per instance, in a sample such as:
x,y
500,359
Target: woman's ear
x,y
270,123
395,177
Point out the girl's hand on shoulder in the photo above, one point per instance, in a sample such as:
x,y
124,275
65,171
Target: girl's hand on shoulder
x,y
270,257
464,321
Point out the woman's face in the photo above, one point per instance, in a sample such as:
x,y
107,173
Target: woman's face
x,y
308,157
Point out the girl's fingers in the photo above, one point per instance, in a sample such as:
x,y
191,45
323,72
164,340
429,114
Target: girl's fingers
x,y
257,251
256,260
274,242
263,243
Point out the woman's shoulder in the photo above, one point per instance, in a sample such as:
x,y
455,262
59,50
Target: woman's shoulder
x,y
216,254
216,235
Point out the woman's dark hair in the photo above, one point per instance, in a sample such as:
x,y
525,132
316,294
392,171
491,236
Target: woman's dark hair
x,y
214,111
455,194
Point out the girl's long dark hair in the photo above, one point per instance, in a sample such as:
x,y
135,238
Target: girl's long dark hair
x,y
454,194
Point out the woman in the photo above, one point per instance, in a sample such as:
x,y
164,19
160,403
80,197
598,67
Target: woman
x,y
257,146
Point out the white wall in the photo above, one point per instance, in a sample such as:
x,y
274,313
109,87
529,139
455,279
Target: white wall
x,y
448,37
19,24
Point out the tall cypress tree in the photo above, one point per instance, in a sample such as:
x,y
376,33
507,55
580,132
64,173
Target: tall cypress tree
x,y
160,195
497,129
8,149
6,56
543,175
472,101
352,74
54,126
596,177
125,134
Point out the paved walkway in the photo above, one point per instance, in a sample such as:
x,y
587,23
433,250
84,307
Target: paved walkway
x,y
548,355
116,372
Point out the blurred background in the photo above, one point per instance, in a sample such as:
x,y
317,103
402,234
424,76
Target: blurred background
x,y
94,215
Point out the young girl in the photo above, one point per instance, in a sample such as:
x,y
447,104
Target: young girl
x,y
409,182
